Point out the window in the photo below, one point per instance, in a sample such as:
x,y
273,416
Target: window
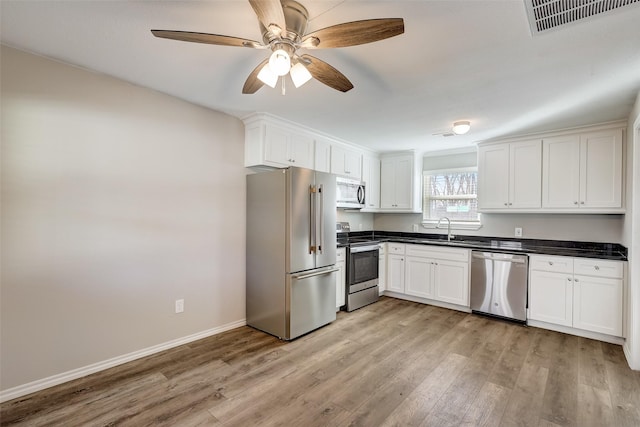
x,y
453,194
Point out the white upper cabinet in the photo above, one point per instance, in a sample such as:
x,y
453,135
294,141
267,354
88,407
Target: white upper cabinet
x,y
401,182
274,145
288,148
577,171
322,161
493,176
371,178
509,175
583,172
346,162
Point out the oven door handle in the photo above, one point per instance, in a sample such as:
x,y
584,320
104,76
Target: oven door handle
x,y
355,249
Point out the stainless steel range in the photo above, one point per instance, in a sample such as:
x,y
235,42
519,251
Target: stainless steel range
x,y
362,273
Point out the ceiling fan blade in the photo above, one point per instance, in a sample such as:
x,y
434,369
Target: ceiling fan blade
x,y
270,14
253,83
188,36
326,74
353,33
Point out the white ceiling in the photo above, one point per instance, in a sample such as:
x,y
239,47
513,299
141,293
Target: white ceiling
x,y
457,60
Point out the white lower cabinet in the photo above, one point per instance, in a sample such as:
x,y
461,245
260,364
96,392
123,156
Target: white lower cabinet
x,y
551,298
419,277
580,293
597,304
451,282
341,258
395,273
434,273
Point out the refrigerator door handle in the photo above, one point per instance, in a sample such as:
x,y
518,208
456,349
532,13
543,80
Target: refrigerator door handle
x,y
320,219
317,273
312,219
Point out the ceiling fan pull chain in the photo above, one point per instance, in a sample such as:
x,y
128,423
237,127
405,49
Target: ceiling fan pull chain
x,y
284,89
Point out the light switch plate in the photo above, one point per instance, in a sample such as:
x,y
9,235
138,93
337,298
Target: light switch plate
x,y
518,232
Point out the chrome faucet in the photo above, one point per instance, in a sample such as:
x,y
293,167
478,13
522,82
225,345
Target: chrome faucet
x,y
449,236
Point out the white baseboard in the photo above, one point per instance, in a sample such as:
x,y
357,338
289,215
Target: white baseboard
x,y
627,353
578,332
427,301
38,385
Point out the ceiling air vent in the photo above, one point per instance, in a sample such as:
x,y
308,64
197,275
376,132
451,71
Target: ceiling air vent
x,y
546,15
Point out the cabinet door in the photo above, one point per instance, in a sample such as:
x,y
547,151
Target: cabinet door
x,y
551,297
371,177
525,174
451,282
493,177
601,169
346,162
301,150
597,304
418,277
395,273
353,164
276,145
403,185
387,183
561,172
322,158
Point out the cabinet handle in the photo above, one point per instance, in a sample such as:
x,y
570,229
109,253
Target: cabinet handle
x,y
510,204
575,203
596,267
550,263
569,279
582,203
506,204
575,280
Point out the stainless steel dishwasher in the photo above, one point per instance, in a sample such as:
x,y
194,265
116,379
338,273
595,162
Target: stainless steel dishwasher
x,y
499,284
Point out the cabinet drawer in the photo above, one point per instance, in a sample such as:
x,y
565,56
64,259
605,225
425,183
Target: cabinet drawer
x,y
341,254
383,248
438,252
557,264
395,248
598,268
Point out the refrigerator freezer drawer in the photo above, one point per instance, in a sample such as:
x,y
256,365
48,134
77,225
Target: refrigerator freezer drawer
x,y
312,297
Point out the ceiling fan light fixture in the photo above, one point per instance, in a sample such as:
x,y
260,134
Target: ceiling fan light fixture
x,y
461,127
267,76
280,62
300,75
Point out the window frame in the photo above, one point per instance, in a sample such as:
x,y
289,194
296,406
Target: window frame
x,y
432,223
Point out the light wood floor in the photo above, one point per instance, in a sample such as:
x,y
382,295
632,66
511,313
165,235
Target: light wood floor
x,y
393,363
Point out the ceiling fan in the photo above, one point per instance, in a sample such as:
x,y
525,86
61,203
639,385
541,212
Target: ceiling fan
x,y
283,24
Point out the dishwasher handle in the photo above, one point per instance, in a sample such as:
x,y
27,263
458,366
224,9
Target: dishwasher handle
x,y
516,259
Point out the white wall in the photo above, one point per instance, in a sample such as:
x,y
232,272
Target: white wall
x,y
116,201
588,228
358,221
632,237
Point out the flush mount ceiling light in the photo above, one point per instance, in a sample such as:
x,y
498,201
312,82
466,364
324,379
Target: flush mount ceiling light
x,y
461,127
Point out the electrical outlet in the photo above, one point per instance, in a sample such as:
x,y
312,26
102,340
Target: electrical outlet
x,y
518,232
179,305
415,228
360,227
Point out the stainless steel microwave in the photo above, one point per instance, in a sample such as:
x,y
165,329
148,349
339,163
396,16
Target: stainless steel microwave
x,y
350,193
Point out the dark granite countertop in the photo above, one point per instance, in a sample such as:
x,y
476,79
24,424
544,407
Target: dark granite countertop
x,y
612,251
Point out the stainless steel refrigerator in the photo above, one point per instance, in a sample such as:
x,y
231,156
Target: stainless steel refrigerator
x,y
291,251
